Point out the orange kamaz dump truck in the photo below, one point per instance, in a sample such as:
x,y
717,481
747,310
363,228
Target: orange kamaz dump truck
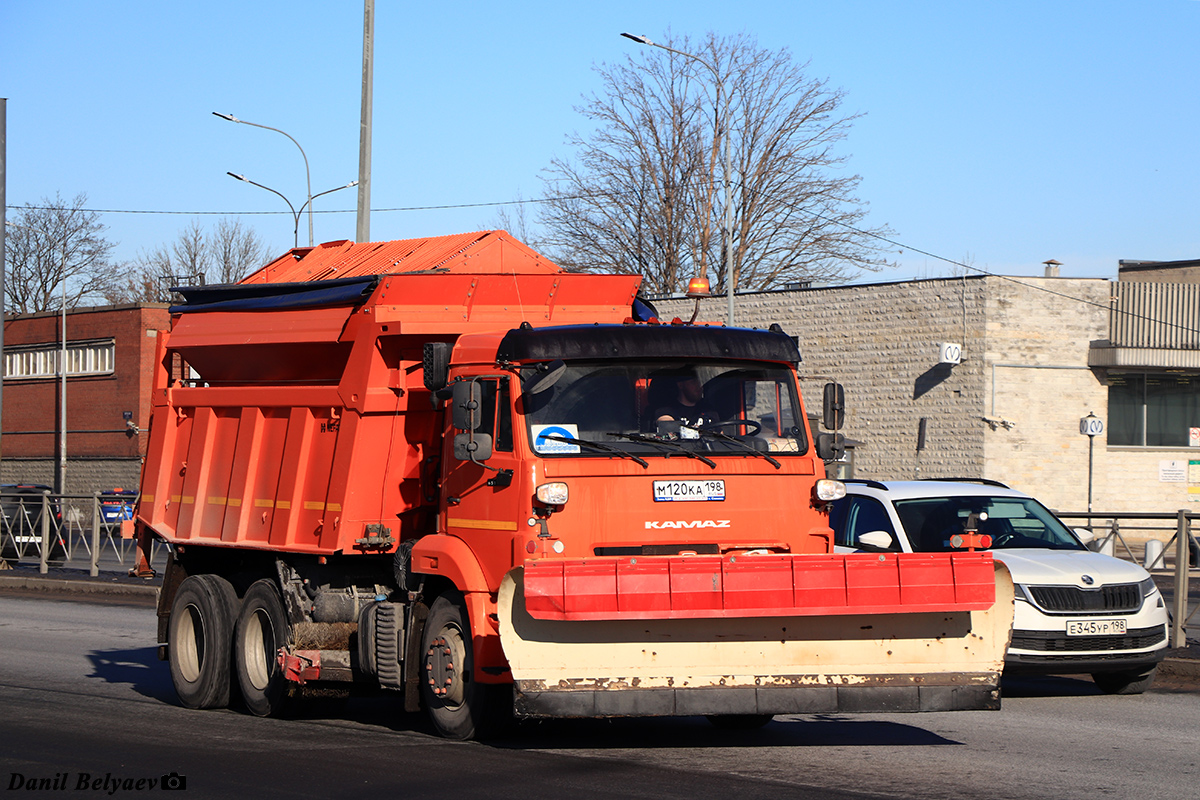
x,y
449,468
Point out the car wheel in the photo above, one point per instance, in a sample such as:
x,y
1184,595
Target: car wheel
x,y
1130,682
199,636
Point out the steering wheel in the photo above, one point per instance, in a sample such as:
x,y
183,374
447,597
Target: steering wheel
x,y
752,426
1003,539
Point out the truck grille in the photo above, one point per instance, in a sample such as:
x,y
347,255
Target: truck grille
x,y
1055,642
1073,600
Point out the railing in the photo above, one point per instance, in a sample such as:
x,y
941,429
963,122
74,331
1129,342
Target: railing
x,y
54,530
1187,553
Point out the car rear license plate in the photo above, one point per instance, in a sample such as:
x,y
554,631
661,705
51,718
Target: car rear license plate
x,y
668,491
1095,627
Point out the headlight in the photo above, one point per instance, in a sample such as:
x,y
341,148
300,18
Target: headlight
x,y
552,494
828,490
1148,587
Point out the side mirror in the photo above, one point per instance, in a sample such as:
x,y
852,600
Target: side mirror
x,y
466,400
1085,536
834,416
831,446
473,446
881,540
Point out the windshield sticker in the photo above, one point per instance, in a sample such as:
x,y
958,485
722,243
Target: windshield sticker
x,y
543,445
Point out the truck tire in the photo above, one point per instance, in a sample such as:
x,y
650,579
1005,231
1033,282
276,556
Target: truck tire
x,y
261,629
199,636
1132,682
459,707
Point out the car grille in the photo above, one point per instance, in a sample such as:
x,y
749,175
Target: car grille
x,y
1073,600
1055,642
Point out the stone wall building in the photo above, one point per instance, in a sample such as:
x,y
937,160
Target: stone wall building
x,y
1037,356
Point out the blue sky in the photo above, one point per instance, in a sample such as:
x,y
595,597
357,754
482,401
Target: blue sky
x,y
1000,133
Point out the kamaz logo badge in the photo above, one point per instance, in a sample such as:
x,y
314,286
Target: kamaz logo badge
x,y
693,523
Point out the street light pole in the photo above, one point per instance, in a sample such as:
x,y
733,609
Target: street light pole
x,y
62,391
307,175
295,214
723,111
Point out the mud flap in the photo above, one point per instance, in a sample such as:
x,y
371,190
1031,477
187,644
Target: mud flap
x,y
887,662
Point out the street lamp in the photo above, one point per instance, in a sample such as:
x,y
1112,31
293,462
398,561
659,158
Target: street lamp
x,y
307,176
723,112
295,214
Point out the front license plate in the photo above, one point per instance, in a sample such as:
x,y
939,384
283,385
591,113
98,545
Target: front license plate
x,y
1095,627
667,491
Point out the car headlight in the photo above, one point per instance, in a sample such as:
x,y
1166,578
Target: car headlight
x,y
1148,587
829,490
552,494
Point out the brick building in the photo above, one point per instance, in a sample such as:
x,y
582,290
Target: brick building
x,y
1038,355
110,356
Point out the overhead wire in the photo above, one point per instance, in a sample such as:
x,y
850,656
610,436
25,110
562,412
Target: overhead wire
x,y
451,206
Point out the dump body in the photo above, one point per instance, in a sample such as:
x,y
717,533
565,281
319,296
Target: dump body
x,y
495,471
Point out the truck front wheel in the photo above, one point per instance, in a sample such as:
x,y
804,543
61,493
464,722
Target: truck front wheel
x,y
459,707
199,636
262,628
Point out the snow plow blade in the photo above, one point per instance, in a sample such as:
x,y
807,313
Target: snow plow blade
x,y
800,660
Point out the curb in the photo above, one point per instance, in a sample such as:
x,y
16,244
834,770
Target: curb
x,y
78,586
1179,668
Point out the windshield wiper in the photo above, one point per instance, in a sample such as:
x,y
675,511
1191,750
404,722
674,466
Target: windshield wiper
x,y
725,437
604,448
675,446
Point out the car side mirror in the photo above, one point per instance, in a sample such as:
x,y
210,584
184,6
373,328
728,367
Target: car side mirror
x,y
1085,536
881,540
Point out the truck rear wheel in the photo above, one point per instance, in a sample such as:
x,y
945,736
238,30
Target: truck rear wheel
x,y
459,707
199,636
262,628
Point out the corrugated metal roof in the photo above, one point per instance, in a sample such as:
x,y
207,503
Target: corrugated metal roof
x,y
489,252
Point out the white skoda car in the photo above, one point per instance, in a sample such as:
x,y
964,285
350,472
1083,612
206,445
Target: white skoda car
x,y
1076,611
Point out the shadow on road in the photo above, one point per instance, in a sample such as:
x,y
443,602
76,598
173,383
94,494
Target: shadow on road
x,y
139,668
1048,686
821,730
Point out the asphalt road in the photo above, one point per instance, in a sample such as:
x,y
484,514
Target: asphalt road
x,y
82,694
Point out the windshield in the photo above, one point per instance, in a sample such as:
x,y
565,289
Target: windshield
x,y
1012,522
666,408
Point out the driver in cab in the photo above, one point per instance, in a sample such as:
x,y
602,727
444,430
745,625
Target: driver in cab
x,y
688,410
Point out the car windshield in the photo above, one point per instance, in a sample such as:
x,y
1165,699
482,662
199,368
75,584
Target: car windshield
x,y
665,408
1012,522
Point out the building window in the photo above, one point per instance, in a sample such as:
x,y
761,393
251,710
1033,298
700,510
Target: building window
x,y
1153,409
41,361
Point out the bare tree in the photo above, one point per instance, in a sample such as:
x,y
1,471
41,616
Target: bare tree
x,y
644,191
55,243
224,255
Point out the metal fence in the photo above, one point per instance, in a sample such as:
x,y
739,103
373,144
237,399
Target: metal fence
x,y
1181,550
54,530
